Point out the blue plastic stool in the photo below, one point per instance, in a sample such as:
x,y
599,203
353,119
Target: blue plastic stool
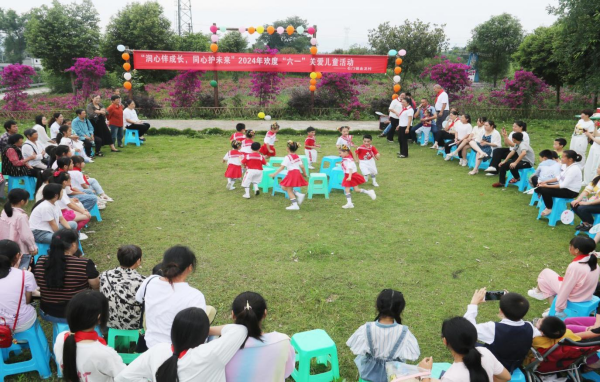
x,y
559,205
131,136
596,221
314,344
330,161
592,376
59,328
524,173
518,376
335,179
535,198
442,151
266,181
275,160
317,185
34,339
24,182
277,187
42,248
421,139
471,157
577,309
305,162
95,212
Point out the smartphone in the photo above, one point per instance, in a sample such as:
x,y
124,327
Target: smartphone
x,y
494,295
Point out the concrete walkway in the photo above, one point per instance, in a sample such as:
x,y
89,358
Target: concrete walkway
x,y
33,91
261,125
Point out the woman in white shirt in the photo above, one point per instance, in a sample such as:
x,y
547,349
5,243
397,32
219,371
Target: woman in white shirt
x,y
490,140
186,357
461,139
33,147
46,217
55,124
81,352
132,121
475,135
579,139
471,363
404,123
40,127
593,159
66,137
502,152
569,182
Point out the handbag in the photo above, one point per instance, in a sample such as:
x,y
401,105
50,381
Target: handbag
x,y
141,344
6,334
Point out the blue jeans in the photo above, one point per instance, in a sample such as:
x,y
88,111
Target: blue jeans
x,y
53,319
387,129
45,237
94,186
88,199
117,134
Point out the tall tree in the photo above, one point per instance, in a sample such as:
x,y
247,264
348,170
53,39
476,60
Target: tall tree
x,y
495,41
58,33
233,42
191,42
537,54
301,43
13,26
421,41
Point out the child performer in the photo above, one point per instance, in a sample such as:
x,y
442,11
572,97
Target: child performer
x,y
254,169
351,177
268,148
234,164
247,142
310,147
367,153
240,134
345,139
294,178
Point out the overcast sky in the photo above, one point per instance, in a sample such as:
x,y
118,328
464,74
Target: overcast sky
x,y
335,17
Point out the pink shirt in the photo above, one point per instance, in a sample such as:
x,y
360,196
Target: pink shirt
x,y
578,284
16,228
10,286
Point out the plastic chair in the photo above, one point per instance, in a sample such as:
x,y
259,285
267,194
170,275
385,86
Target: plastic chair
x,y
131,136
437,369
24,182
34,339
277,187
275,160
120,338
335,179
318,185
43,248
559,205
596,221
421,139
266,181
95,212
518,376
535,198
471,157
305,162
314,344
577,309
591,375
524,174
330,161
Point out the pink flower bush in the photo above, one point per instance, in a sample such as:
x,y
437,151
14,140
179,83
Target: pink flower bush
x,y
88,73
341,90
266,85
452,76
523,92
16,78
186,88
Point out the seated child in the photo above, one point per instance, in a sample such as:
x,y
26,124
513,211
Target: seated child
x,y
548,168
268,148
367,153
310,147
551,330
425,127
240,135
234,164
510,339
559,146
84,182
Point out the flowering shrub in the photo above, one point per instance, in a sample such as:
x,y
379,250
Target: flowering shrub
x,y
88,73
522,92
16,78
266,85
186,88
452,76
340,90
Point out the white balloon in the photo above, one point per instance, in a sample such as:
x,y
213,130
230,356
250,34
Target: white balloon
x,y
121,48
127,76
267,117
396,79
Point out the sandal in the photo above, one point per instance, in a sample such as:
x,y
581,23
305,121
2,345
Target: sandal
x,y
115,151
99,154
513,181
473,172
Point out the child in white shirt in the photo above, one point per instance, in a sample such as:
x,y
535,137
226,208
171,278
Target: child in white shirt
x,y
234,164
352,179
268,148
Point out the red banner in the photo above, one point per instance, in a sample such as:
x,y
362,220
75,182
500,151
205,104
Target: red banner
x,y
256,62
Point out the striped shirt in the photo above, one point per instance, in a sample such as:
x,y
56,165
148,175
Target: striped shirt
x,y
77,273
384,338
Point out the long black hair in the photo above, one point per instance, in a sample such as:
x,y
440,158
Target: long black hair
x,y
249,308
54,118
390,303
573,155
82,314
62,130
176,260
586,246
38,121
189,330
461,336
49,192
15,196
522,125
8,252
56,264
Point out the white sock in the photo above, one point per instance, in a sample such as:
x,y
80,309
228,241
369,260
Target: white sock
x,y
373,177
247,191
349,198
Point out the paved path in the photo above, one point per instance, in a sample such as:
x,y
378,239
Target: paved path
x,y
261,125
33,91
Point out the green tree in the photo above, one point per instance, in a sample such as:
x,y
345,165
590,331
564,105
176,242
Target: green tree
x,y
420,40
301,43
537,54
233,42
61,32
13,27
192,42
495,41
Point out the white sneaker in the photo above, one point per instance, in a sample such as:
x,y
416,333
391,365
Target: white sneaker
x,y
546,313
246,196
448,156
107,198
535,293
293,207
82,236
228,186
348,205
310,167
375,184
490,174
300,197
490,169
371,193
101,206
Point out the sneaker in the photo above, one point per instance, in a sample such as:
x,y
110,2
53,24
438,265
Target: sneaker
x,y
535,293
375,184
464,163
82,236
293,207
585,228
310,167
246,196
107,198
231,188
490,174
490,169
101,206
424,144
300,198
371,193
401,156
348,205
497,185
546,313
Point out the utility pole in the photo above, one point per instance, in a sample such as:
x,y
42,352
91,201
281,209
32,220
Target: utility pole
x,y
184,17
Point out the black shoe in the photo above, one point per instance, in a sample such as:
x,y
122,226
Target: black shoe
x,y
584,228
257,192
99,154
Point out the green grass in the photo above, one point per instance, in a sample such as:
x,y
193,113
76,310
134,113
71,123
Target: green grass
x,y
435,233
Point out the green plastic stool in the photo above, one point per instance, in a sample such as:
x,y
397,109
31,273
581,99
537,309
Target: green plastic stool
x,y
266,181
305,162
275,160
118,337
314,344
317,185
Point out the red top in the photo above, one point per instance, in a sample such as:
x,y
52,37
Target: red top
x,y
310,141
237,136
254,161
13,157
115,115
366,153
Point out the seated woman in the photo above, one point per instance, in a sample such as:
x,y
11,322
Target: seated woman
x,y
46,217
580,278
490,140
461,138
66,137
502,152
62,274
586,209
263,356
13,162
16,287
56,122
471,363
132,121
41,128
567,185
186,356
448,132
14,224
33,147
475,135
548,169
120,286
81,351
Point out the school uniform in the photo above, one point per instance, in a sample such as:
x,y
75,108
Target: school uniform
x,y
247,146
403,124
356,179
237,136
311,154
294,176
366,157
234,164
269,144
254,169
346,141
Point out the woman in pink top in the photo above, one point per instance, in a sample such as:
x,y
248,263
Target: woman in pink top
x,y
580,280
14,223
263,356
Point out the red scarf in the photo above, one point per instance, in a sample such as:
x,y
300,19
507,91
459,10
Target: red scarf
x,y
438,96
575,260
180,354
403,110
452,124
85,177
86,336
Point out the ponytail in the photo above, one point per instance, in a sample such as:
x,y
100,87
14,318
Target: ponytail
x,y
586,246
472,361
15,196
176,260
249,308
461,337
69,366
56,264
574,156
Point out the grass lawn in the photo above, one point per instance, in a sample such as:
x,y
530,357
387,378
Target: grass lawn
x,y
435,233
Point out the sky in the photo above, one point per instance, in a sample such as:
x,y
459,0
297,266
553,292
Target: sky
x,y
341,23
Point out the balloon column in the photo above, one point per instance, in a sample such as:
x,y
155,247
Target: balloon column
x,y
397,70
127,66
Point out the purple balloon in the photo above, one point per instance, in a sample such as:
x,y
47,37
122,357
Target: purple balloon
x,y
280,30
402,52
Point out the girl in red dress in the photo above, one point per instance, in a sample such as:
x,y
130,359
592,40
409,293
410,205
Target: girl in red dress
x,y
234,164
268,148
294,178
352,179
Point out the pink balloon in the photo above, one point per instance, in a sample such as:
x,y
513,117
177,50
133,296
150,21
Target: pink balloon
x,y
214,38
280,30
402,52
311,30
313,41
213,28
242,29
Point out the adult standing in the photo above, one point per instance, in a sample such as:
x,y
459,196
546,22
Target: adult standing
x,y
115,119
395,109
442,105
83,128
593,135
11,129
421,111
97,115
579,139
132,121
404,122
41,128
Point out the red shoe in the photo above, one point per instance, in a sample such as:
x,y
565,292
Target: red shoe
x,y
497,185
